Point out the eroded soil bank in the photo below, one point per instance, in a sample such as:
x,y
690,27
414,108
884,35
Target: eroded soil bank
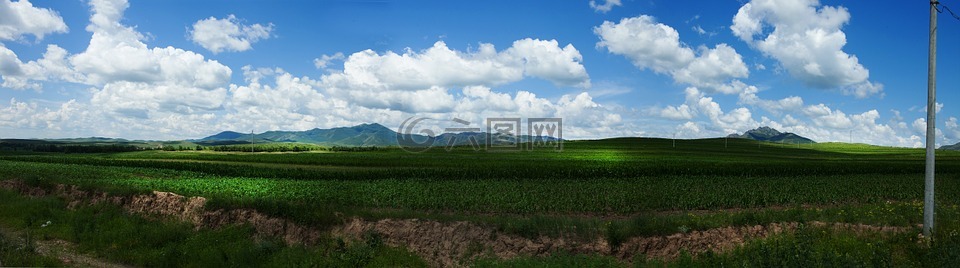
x,y
439,243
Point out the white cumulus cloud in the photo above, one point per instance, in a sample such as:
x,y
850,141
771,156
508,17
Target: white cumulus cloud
x,y
443,67
749,96
648,44
228,34
952,130
140,91
19,75
324,60
606,6
275,100
22,18
698,104
807,40
137,80
656,46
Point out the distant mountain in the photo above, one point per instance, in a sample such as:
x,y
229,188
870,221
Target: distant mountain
x,y
955,147
772,135
360,135
226,135
91,139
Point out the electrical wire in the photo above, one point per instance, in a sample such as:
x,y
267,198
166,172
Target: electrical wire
x,y
935,4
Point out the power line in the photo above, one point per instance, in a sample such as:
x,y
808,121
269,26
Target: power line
x,y
937,3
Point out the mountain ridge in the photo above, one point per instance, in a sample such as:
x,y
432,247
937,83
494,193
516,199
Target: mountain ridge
x,y
368,134
955,147
769,134
371,134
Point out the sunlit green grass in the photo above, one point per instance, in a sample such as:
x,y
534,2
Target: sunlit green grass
x,y
614,158
597,195
616,176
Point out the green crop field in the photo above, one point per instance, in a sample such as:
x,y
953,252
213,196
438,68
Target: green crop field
x,y
384,133
610,189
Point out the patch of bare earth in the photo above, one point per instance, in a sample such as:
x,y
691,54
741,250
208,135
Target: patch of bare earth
x,y
61,250
726,238
439,243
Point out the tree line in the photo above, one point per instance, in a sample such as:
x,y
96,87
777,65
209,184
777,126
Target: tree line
x,y
62,148
117,148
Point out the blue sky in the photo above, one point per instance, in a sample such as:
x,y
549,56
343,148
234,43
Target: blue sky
x,y
829,70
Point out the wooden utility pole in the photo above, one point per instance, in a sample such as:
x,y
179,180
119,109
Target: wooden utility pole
x,y
931,123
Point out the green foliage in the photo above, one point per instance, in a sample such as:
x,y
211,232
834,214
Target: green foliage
x,y
615,158
267,147
355,148
620,196
107,231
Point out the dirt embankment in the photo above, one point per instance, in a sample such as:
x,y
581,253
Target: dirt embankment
x,y
447,244
440,243
189,209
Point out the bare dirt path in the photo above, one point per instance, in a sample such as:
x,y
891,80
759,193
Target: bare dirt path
x,y
61,250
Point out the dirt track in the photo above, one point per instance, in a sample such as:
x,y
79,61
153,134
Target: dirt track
x,y
61,250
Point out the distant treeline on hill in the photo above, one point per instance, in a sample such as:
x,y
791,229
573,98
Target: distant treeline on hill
x,y
289,148
264,148
354,149
68,148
